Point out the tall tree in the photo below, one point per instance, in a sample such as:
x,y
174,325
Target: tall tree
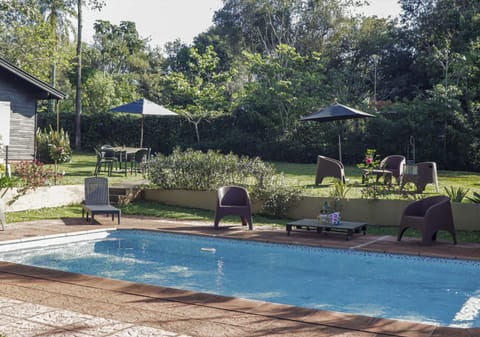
x,y
287,85
261,25
367,62
78,89
119,67
29,41
95,4
439,25
57,13
121,48
202,92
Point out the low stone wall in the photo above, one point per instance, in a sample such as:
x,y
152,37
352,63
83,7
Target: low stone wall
x,y
375,212
195,199
43,197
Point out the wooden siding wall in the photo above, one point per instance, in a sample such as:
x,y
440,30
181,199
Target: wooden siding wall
x,y
22,119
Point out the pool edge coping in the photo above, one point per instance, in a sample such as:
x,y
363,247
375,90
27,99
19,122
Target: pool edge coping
x,y
330,319
312,316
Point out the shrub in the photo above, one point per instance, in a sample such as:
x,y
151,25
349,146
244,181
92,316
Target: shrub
x,y
475,198
33,173
339,190
372,189
199,171
5,183
195,170
371,160
276,196
53,146
456,193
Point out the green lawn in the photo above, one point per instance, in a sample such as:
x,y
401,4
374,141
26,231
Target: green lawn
x,y
303,176
299,175
83,165
147,208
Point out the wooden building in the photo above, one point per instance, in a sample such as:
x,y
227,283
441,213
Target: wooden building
x,y
19,96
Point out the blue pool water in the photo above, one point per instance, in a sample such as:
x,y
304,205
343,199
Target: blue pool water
x,y
435,291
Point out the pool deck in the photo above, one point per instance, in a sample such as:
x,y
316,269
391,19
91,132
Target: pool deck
x,y
41,302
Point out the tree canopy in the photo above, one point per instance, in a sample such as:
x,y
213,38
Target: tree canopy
x,y
265,63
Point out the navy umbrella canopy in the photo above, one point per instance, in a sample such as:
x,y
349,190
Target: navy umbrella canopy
x,y
334,113
144,107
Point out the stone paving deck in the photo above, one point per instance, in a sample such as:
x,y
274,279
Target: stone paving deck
x,y
42,302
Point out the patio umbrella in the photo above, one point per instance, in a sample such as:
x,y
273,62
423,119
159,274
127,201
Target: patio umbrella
x,y
144,107
334,113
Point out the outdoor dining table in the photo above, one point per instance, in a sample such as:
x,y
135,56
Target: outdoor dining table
x,y
124,153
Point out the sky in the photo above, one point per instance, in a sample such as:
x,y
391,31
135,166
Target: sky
x,y
166,20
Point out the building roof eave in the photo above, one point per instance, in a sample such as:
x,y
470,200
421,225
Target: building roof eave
x,y
51,92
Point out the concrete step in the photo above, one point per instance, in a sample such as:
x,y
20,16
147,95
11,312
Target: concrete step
x,y
125,195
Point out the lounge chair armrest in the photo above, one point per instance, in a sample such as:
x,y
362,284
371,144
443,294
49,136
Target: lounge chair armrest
x,y
442,210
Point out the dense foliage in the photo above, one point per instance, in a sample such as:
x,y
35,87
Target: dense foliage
x,y
196,170
53,146
33,174
242,85
207,171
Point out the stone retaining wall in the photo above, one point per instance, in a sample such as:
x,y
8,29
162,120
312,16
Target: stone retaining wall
x,y
375,212
43,197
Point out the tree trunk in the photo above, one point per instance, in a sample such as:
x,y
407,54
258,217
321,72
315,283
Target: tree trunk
x,y
53,82
78,98
197,132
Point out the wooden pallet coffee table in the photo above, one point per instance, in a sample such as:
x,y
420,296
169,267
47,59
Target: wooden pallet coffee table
x,y
347,227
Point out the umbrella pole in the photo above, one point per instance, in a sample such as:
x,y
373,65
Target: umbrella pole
x,y
339,147
141,132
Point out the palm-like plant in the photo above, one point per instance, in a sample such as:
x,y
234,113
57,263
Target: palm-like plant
x,y
475,198
58,14
456,193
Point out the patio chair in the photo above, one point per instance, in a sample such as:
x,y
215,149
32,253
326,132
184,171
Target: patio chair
x,y
97,199
104,161
138,161
427,174
109,153
428,216
329,167
390,166
394,164
233,200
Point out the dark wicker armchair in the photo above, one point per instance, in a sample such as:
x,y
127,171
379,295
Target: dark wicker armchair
x,y
428,216
427,174
329,167
233,200
395,164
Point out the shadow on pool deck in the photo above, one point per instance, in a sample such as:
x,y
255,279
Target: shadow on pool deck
x,y
183,313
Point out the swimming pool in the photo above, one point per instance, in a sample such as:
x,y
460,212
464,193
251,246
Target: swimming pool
x,y
435,291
